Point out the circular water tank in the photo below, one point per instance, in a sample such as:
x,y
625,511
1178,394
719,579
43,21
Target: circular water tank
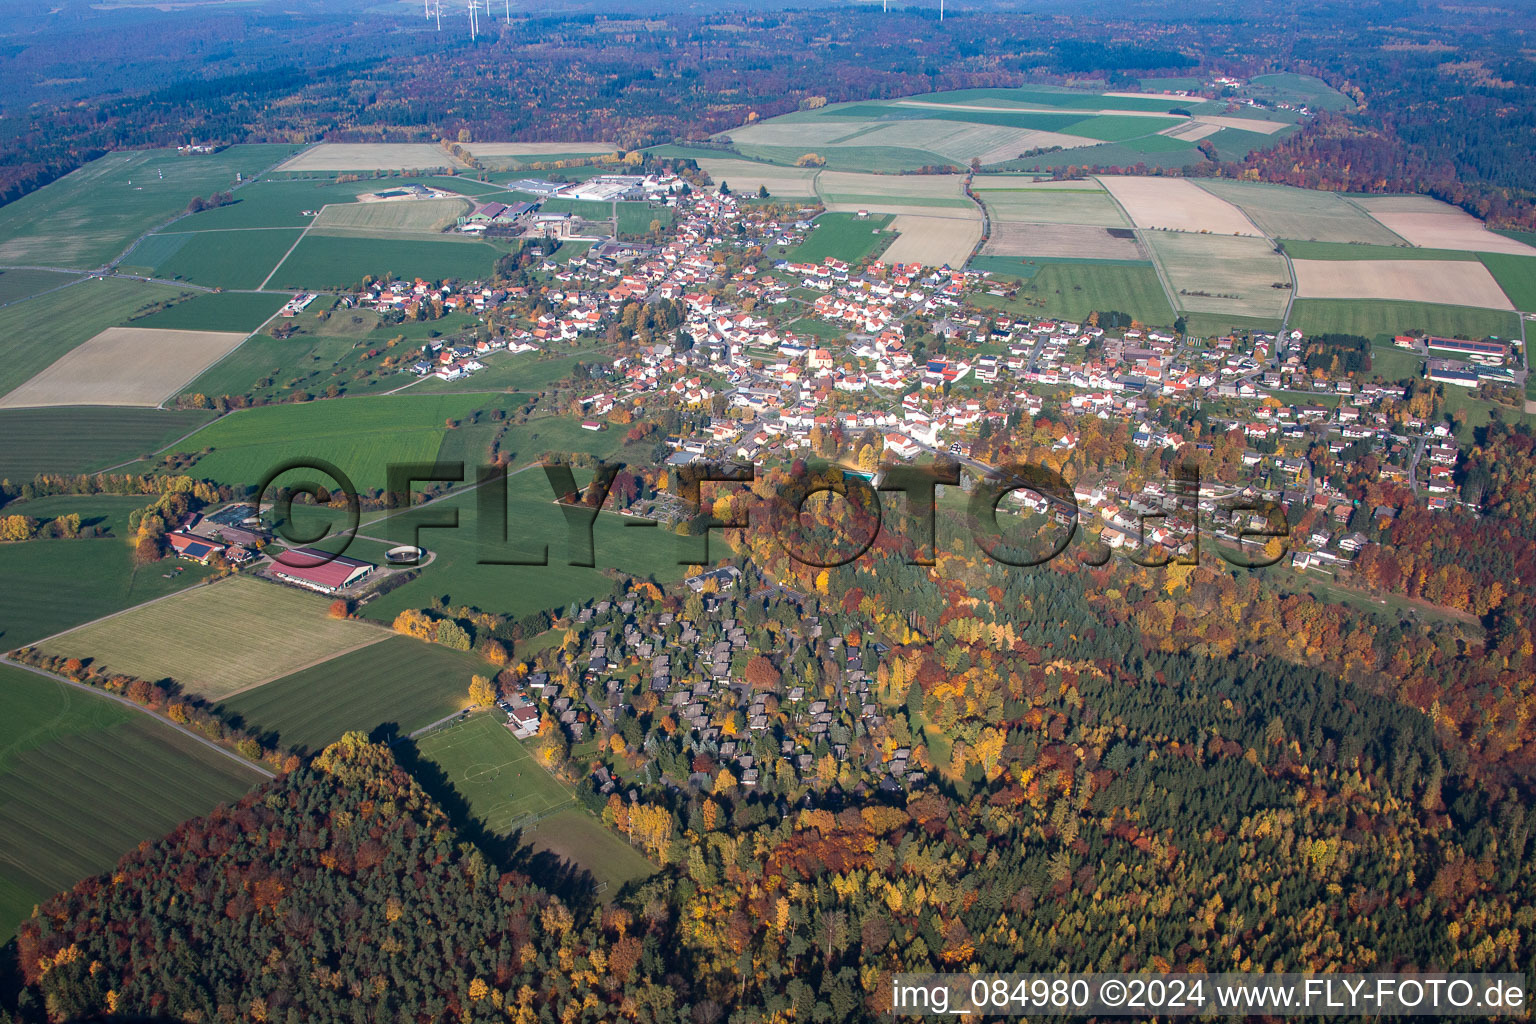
x,y
405,554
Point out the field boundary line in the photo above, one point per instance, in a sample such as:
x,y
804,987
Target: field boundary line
x,y
284,259
120,611
253,766
255,331
1162,277
313,664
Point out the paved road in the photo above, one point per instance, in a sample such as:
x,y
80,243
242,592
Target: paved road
x,y
205,741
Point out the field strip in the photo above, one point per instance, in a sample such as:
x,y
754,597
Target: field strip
x,y
1162,276
384,634
1087,113
253,766
1352,202
49,291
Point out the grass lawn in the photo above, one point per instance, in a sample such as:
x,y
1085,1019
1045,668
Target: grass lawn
x,y
84,438
844,236
89,216
53,585
1516,275
521,371
217,259
494,772
636,218
1372,317
1392,363
1075,289
219,639
37,331
574,835
83,780
1210,325
215,311
361,436
328,261
399,681
19,284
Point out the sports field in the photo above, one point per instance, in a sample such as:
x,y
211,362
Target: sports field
x,y
219,639
418,216
54,585
1458,282
124,366
636,218
844,236
78,440
361,436
216,259
83,780
37,331
1284,212
216,311
399,681
371,156
1386,319
1236,274
1176,204
1436,225
89,216
494,772
322,261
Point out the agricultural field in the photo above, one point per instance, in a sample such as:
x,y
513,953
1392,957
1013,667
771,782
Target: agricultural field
x,y
216,259
361,436
1385,319
1304,214
277,203
327,262
1030,205
215,311
83,780
1436,225
399,681
124,366
1458,282
410,216
746,176
1516,276
54,585
20,283
371,156
1074,288
933,241
903,190
1176,204
80,440
507,155
90,216
844,236
37,331
1346,251
217,640
1227,275
1065,241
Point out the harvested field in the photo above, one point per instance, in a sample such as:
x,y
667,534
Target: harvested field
x,y
895,186
125,366
933,241
1191,131
406,215
1436,225
1011,238
219,639
1230,275
991,182
1448,282
1243,124
1302,214
1053,206
910,208
1174,204
532,152
745,176
371,156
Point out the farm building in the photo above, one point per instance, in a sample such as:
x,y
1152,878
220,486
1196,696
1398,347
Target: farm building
x,y
194,549
1449,371
1492,349
320,570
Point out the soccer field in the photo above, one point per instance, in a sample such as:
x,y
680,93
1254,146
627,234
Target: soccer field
x,y
219,639
498,777
83,780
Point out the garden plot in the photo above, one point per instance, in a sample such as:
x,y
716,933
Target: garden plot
x,y
1302,214
371,156
1174,204
1436,225
1228,274
125,366
1455,283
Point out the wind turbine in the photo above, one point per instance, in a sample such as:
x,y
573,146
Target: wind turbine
x,y
474,23
509,11
438,11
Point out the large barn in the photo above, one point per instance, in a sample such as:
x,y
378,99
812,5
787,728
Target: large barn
x,y
320,570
